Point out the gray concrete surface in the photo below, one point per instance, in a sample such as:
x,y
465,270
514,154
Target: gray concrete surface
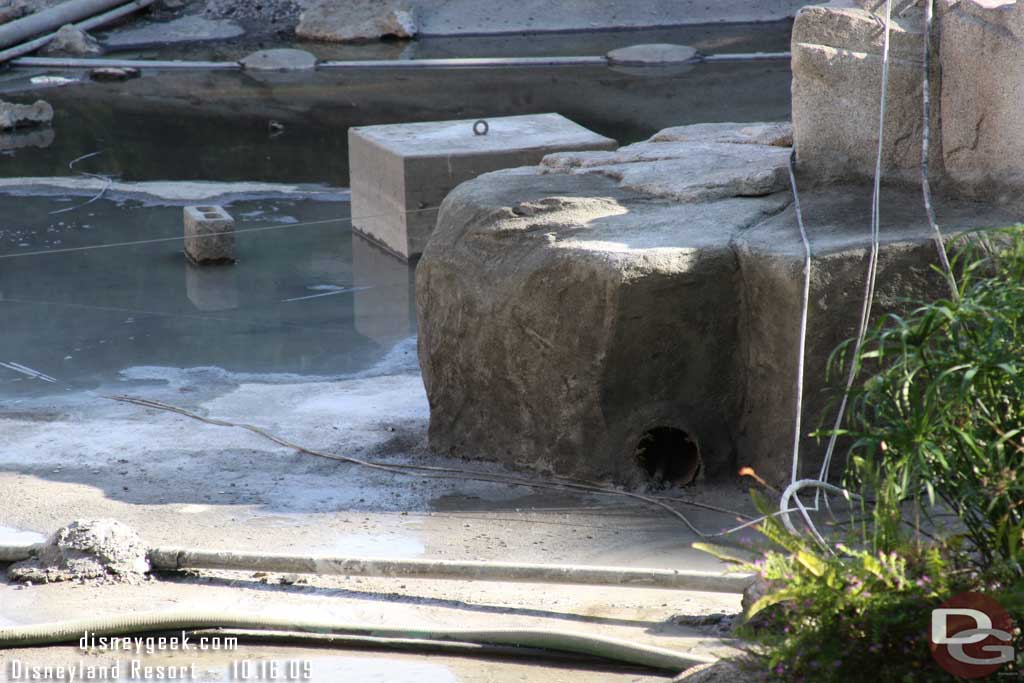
x,y
183,483
400,173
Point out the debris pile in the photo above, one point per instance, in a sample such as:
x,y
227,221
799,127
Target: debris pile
x,y
102,550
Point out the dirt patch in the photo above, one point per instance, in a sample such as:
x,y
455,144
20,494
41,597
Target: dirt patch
x,y
87,550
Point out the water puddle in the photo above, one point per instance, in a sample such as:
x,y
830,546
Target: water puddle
x,y
369,545
12,536
303,299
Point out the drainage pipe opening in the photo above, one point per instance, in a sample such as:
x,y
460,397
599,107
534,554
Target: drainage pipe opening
x,y
668,457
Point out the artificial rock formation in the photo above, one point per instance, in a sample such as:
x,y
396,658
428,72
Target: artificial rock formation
x,y
356,21
976,91
72,41
570,311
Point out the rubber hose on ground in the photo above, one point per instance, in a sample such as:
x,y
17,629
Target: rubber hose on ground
x,y
143,622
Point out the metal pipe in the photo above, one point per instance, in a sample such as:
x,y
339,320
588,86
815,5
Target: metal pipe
x,y
475,62
747,56
86,25
463,62
175,559
87,63
48,20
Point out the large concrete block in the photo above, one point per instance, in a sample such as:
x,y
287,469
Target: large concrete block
x,y
837,87
401,173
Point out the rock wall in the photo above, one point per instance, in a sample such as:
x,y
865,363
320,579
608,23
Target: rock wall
x,y
977,148
567,311
837,63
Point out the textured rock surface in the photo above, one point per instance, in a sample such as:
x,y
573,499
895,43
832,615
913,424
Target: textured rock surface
x,y
687,166
563,313
567,311
104,550
837,64
25,115
71,40
982,91
356,21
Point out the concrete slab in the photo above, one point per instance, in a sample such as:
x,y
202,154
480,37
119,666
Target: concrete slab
x,y
401,173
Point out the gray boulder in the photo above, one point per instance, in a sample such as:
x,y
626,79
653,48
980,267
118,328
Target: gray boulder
x,y
356,21
576,320
25,115
72,41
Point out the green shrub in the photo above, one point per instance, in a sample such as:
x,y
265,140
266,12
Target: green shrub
x,y
849,614
936,429
941,421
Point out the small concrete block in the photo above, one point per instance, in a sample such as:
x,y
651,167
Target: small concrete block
x,y
209,234
401,173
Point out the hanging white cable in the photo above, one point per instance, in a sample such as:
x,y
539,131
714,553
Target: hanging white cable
x,y
869,283
940,244
804,305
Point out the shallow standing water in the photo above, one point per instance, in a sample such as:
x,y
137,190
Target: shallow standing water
x,y
302,299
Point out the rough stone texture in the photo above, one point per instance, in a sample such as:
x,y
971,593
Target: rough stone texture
x,y
284,59
209,234
103,550
982,91
188,29
772,134
25,115
356,21
653,54
11,10
690,171
73,41
562,315
401,173
837,65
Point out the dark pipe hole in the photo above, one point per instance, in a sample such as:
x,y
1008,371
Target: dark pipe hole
x,y
668,456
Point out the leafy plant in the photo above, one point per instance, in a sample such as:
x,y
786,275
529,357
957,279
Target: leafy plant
x,y
937,435
941,420
831,615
